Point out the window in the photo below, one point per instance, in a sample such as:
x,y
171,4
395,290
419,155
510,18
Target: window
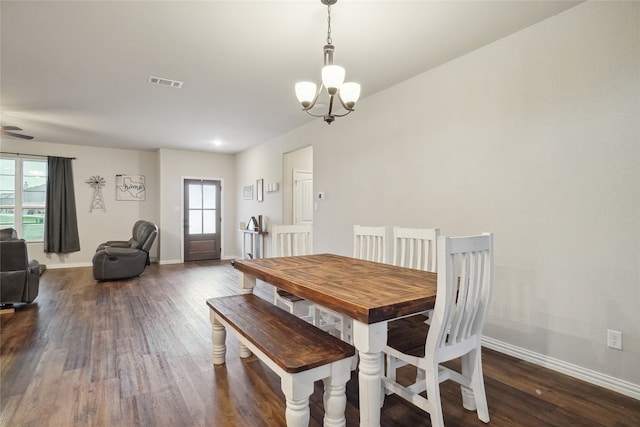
x,y
23,191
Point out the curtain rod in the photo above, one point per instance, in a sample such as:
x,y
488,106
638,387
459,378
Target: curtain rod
x,y
35,155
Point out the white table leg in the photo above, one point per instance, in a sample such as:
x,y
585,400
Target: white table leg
x,y
218,336
370,341
247,283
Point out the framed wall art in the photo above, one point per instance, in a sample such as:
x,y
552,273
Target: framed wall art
x,y
130,187
260,190
247,192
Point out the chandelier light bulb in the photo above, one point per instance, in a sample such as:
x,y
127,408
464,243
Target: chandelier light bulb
x,y
306,92
350,92
332,78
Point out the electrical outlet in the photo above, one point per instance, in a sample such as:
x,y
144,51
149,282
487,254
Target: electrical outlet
x,y
614,339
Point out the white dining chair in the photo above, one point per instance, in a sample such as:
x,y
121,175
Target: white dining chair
x,y
465,278
416,248
370,243
292,240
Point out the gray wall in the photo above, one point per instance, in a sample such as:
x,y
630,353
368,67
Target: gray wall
x,y
535,138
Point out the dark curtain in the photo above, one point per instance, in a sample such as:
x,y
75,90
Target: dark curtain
x,y
61,223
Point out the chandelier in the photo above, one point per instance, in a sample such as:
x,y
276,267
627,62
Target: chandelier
x,y
347,93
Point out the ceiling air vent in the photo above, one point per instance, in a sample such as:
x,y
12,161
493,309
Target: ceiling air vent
x,y
165,82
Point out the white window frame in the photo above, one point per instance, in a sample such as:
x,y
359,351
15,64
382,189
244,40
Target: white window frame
x,y
18,205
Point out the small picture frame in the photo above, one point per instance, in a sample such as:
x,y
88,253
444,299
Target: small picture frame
x,y
247,192
260,190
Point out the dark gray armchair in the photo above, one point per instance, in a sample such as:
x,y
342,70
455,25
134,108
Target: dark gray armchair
x,y
19,275
120,259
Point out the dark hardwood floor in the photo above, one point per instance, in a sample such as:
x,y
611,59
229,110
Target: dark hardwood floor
x,y
138,353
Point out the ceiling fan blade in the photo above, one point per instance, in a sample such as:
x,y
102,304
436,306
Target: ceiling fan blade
x,y
11,128
15,135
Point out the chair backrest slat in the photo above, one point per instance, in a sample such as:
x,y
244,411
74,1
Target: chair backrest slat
x,y
369,243
291,240
415,248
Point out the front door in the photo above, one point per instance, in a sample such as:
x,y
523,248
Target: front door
x,y
201,219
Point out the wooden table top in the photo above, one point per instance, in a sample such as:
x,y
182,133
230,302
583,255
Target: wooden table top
x,y
366,291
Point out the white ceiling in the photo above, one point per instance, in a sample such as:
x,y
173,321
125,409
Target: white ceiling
x,y
75,72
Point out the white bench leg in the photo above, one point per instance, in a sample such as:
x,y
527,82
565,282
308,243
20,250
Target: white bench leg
x,y
297,388
297,413
335,394
218,336
244,351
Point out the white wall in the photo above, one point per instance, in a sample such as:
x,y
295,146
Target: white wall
x,y
173,167
536,138
98,226
263,162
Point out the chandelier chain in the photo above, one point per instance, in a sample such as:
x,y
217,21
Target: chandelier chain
x,y
329,41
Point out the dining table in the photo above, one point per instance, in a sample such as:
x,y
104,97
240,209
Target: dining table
x,y
370,293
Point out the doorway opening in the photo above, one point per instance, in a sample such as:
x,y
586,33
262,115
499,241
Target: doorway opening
x,y
297,188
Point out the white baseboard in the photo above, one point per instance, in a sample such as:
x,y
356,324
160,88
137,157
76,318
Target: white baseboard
x,y
69,265
88,264
179,261
611,383
170,261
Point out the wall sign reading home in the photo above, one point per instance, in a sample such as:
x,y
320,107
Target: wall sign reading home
x,y
130,187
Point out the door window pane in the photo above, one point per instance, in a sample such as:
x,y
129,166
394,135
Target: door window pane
x,y
209,220
195,196
195,221
209,196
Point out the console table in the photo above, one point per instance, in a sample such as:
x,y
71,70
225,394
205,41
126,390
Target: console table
x,y
256,246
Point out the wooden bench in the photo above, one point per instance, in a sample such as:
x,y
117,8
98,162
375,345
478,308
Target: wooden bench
x,y
297,351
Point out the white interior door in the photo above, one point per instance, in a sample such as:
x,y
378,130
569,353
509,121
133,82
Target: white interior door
x,y
302,197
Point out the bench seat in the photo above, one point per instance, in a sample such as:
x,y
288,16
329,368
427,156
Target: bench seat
x,y
297,351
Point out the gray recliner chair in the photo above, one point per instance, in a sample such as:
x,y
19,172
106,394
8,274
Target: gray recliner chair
x,y
119,259
19,275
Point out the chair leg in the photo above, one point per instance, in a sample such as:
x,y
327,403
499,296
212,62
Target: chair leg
x,y
420,383
433,397
474,398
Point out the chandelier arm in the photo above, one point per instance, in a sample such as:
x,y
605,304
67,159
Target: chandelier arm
x,y
311,114
342,115
344,106
315,98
